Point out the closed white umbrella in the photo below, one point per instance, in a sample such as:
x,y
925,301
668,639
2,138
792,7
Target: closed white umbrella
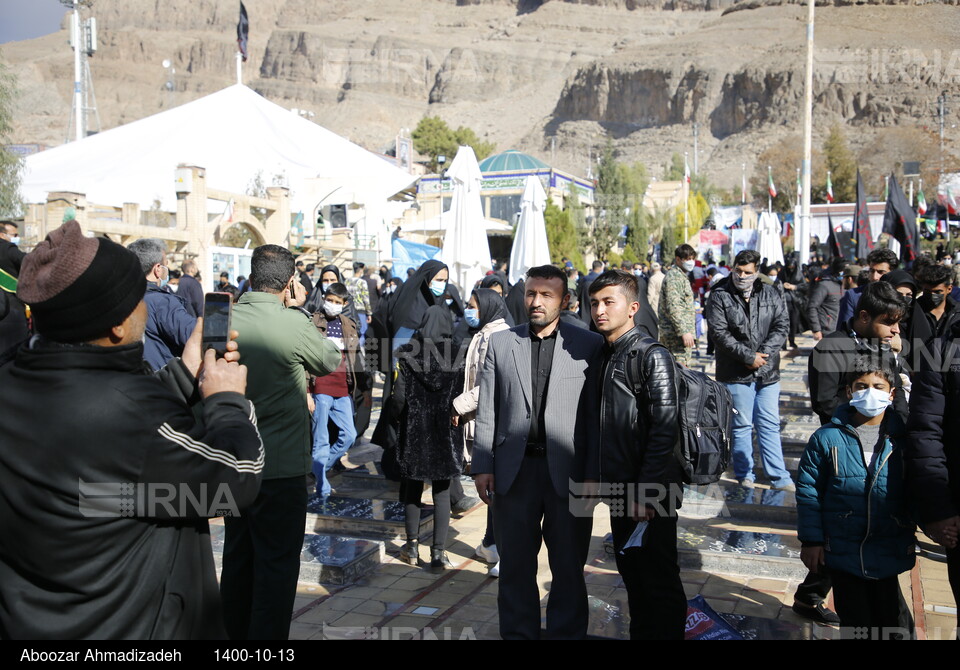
x,y
530,248
465,249
769,233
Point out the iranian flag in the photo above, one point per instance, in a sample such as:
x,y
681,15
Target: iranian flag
x,y
921,202
829,188
770,185
686,170
950,202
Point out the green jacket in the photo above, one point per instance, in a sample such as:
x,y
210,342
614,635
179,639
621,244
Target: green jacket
x,y
277,344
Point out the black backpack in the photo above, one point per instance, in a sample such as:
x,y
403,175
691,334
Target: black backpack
x,y
706,426
705,415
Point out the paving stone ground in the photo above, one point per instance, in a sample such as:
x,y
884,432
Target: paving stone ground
x,y
745,542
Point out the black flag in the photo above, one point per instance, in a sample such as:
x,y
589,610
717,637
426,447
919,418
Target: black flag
x,y
861,223
900,222
243,32
832,240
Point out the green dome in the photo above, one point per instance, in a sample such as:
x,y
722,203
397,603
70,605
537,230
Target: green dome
x,y
511,160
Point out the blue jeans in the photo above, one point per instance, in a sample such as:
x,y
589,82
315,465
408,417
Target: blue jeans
x,y
325,455
362,326
758,405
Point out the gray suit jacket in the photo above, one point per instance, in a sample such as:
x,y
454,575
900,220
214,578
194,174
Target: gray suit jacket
x,y
503,413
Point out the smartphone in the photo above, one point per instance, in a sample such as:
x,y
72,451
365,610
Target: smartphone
x,y
217,313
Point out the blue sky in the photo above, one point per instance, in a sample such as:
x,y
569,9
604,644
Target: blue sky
x,y
26,19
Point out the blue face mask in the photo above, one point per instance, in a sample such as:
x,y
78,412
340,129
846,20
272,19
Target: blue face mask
x,y
165,280
472,317
438,288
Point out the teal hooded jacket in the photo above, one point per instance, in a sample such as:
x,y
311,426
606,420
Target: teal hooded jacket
x,y
859,517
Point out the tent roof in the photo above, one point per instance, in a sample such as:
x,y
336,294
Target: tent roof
x,y
234,134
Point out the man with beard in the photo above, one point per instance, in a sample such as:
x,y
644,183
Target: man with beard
x,y
535,435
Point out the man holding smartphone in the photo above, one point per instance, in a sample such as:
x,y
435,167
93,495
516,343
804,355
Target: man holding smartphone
x,y
102,466
261,555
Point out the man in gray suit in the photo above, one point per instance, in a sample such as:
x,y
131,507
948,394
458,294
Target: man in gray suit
x,y
536,433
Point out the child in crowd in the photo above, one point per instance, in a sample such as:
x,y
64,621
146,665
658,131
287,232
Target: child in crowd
x,y
332,394
851,511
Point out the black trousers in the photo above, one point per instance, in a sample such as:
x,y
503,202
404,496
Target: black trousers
x,y
261,561
411,491
531,512
814,589
651,575
870,608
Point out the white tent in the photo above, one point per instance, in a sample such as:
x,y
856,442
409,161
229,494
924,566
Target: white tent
x,y
440,224
465,249
530,248
769,233
234,134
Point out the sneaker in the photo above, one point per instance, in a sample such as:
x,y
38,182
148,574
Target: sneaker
x,y
746,483
495,570
819,614
789,487
488,554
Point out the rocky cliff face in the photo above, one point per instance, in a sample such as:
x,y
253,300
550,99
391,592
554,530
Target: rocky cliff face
x,y
555,78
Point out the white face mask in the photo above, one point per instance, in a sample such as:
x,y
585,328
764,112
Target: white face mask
x,y
870,402
332,309
688,266
15,240
325,285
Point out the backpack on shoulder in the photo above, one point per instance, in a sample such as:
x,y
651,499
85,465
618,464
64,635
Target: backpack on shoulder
x,y
705,416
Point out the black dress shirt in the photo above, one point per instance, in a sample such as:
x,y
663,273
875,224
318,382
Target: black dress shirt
x,y
541,360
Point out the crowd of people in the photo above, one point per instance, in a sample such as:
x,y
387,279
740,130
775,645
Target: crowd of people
x,y
552,394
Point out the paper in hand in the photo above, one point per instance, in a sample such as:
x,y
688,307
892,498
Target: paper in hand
x,y
636,538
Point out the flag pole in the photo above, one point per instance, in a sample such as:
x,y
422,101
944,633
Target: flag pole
x,y
239,68
686,199
807,137
743,183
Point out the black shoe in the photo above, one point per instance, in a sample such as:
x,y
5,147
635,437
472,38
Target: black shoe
x,y
819,614
463,506
438,559
410,552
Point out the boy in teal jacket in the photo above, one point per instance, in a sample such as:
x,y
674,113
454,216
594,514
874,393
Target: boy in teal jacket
x,y
851,511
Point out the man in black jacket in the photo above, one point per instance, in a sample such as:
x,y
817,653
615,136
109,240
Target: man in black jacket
x,y
749,321
823,304
190,289
638,432
877,321
106,477
938,310
932,454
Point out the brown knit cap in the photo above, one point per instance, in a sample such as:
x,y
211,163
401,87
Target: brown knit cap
x,y
79,287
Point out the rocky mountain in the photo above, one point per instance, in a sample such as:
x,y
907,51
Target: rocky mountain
x,y
555,78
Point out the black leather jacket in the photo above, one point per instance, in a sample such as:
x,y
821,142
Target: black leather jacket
x,y
740,332
638,431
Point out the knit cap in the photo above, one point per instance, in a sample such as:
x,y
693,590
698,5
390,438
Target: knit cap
x,y
79,287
